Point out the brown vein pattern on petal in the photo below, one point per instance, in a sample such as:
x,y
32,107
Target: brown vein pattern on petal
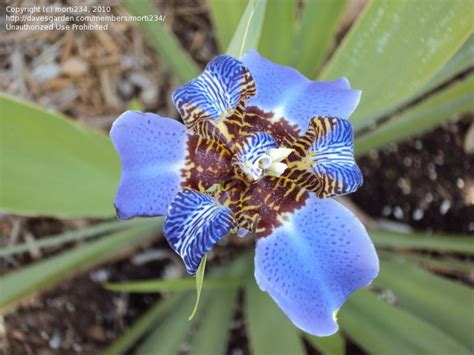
x,y
256,120
207,164
266,204
323,158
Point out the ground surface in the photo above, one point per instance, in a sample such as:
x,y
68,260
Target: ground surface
x,y
425,183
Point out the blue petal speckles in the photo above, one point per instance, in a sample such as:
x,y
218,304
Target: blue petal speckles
x,y
332,154
287,93
195,222
221,89
312,263
152,150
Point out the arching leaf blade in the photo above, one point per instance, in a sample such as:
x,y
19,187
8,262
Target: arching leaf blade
x,y
394,50
247,34
51,165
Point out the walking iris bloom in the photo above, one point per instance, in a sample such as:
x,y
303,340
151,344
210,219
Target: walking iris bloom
x,y
261,151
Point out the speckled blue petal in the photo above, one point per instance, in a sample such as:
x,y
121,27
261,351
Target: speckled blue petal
x,y
195,222
289,94
222,88
152,150
313,262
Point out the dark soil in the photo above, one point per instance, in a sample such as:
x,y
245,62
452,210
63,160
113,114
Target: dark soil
x,y
427,182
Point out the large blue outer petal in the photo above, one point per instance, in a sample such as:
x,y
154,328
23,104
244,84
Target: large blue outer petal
x,y
152,150
313,262
289,94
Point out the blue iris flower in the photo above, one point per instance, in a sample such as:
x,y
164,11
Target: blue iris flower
x,y
262,150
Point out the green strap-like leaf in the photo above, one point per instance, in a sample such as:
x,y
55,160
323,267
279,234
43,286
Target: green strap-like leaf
x,y
248,32
153,286
156,313
435,242
381,328
35,277
441,263
51,165
169,334
164,41
229,275
67,237
225,16
461,62
451,102
199,282
331,345
315,37
268,329
396,48
210,337
446,304
276,41
213,330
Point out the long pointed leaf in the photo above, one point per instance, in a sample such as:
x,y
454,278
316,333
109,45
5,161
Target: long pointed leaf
x,y
444,303
248,32
213,330
167,337
331,345
158,311
436,242
431,262
381,328
225,16
51,165
277,32
153,286
269,331
199,282
33,278
396,48
67,237
462,61
227,276
451,102
210,338
316,35
164,41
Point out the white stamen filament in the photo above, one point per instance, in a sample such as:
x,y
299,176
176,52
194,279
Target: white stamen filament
x,y
276,169
265,161
279,154
269,164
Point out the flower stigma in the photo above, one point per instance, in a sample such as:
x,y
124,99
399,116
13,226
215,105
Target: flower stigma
x,y
267,164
